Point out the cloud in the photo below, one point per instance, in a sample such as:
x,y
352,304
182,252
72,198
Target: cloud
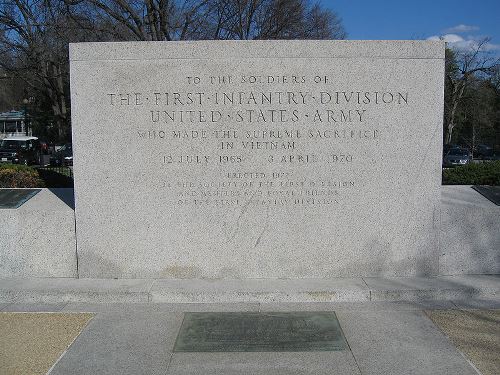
x,y
449,38
460,29
458,42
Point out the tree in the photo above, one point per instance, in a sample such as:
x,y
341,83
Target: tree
x,y
30,34
153,20
159,20
13,90
34,39
478,115
34,36
274,19
462,68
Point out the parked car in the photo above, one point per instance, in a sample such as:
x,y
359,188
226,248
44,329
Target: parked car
x,y
20,150
456,156
483,152
492,156
448,147
63,156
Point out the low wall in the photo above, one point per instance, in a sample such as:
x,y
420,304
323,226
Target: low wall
x,y
38,238
469,233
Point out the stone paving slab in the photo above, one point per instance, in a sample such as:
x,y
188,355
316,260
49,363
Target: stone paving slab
x,y
313,363
161,307
400,342
3,306
475,333
125,342
32,307
30,343
356,306
277,306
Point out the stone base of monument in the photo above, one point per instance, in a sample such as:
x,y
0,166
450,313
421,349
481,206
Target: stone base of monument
x,y
416,289
38,264
38,238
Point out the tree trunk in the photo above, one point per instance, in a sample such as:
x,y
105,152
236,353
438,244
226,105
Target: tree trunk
x,y
458,92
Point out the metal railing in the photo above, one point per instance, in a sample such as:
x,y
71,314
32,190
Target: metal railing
x,y
63,170
56,176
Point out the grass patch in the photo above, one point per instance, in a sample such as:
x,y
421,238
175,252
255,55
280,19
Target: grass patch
x,y
476,333
31,343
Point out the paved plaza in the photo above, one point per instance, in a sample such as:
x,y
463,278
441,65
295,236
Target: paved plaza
x,y
382,338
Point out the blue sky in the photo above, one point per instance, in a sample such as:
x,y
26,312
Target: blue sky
x,y
461,22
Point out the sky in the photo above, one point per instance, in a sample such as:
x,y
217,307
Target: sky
x,y
460,22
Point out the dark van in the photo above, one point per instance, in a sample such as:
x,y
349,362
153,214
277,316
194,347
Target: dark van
x,y
20,150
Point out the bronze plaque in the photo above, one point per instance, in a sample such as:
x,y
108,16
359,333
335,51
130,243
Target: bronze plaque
x,y
260,332
490,192
15,198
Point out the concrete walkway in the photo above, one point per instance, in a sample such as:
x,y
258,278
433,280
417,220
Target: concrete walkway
x,y
385,322
383,338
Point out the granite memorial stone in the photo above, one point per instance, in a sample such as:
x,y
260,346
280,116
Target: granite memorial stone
x,y
257,159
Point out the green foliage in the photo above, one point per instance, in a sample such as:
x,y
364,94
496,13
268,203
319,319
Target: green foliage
x,y
473,174
19,176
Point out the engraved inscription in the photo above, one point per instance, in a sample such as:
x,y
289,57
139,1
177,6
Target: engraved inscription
x,y
252,138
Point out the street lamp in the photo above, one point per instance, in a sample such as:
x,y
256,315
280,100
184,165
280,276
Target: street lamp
x,y
25,102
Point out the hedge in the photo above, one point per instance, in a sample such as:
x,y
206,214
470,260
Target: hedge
x,y
19,176
487,173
